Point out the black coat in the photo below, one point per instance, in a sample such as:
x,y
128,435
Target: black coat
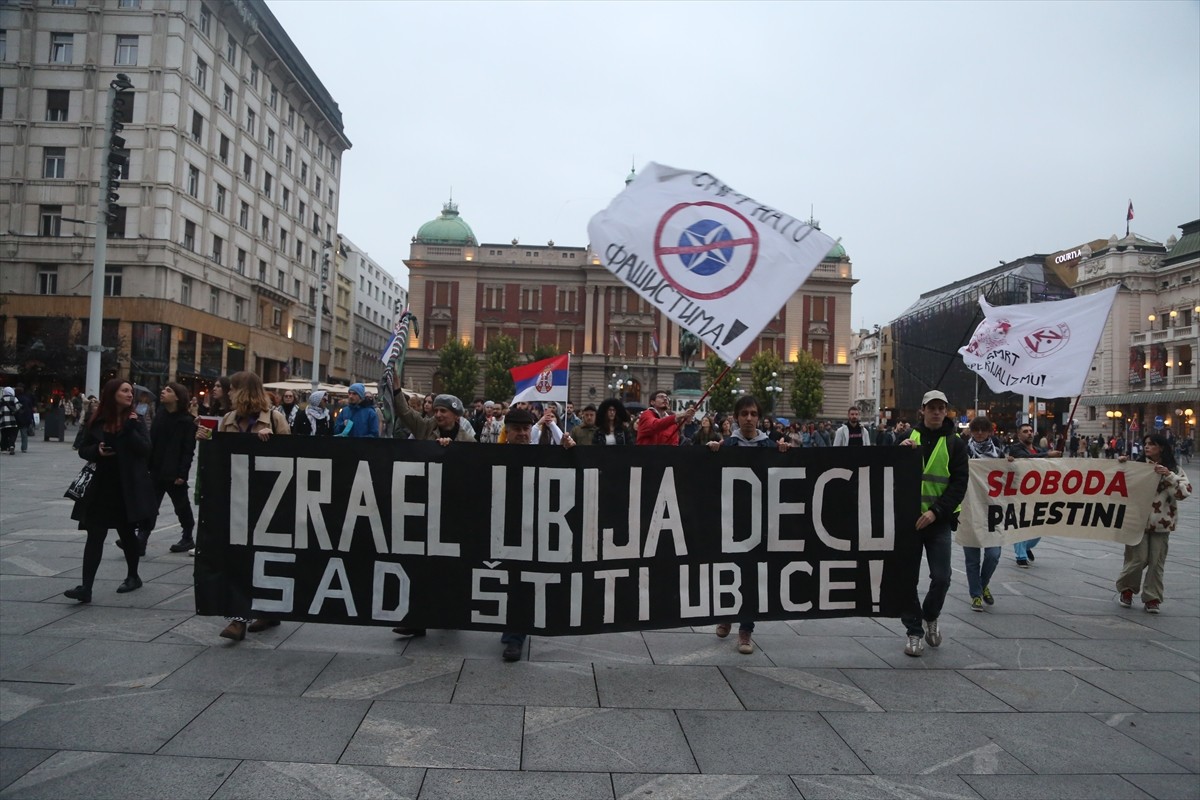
x,y
132,446
172,445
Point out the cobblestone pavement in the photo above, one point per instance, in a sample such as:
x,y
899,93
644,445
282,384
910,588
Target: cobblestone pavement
x,y
1054,692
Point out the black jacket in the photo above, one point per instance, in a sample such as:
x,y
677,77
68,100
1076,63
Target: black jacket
x,y
960,468
132,445
172,445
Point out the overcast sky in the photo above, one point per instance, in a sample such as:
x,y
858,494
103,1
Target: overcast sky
x,y
936,139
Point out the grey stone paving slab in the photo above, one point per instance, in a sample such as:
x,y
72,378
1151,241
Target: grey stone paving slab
x,y
1007,601
359,676
108,663
953,654
1165,787
938,690
1028,654
1177,627
765,742
104,595
462,784
21,651
816,652
289,780
1045,690
608,648
1126,654
789,689
1075,744
17,617
1011,626
92,776
1149,690
113,568
37,557
437,735
844,626
1174,735
183,574
242,670
106,719
33,588
16,761
771,626
270,729
884,787
206,632
183,600
942,743
1112,627
525,683
1063,787
104,622
646,686
17,697
700,648
448,644
605,740
340,638
714,787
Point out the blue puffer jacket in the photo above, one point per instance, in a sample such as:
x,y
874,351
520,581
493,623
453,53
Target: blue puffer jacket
x,y
365,419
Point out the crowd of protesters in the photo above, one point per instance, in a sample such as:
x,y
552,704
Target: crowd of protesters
x,y
141,454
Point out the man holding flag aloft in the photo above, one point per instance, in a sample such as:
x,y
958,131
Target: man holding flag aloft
x,y
657,425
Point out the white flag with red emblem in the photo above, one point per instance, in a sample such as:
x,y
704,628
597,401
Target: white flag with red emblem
x,y
1039,349
716,262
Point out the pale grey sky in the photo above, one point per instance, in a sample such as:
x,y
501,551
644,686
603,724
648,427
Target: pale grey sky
x,y
935,139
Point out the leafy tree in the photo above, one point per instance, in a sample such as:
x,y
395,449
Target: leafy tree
x,y
723,394
459,369
807,392
501,357
762,366
543,351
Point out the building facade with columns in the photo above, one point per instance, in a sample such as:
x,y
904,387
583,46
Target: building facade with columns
x,y
227,208
561,296
1144,373
866,381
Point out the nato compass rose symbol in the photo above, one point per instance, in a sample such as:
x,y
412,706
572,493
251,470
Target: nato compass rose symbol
x,y
705,250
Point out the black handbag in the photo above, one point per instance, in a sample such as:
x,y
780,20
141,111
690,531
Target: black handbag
x,y
79,487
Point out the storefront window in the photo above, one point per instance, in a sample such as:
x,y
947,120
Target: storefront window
x,y
211,350
185,356
235,357
150,352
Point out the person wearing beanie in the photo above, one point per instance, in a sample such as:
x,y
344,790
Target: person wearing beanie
x,y
358,419
443,424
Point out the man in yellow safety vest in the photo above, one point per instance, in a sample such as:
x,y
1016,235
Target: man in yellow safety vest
x,y
943,486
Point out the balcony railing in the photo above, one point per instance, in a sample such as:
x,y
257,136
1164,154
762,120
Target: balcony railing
x,y
1175,334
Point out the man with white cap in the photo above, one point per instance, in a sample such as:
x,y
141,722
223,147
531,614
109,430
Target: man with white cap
x,y
943,485
443,427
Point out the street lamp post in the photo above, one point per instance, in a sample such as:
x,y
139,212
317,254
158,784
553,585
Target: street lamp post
x,y
318,311
773,392
1114,416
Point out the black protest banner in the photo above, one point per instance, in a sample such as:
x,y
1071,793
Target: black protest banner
x,y
552,541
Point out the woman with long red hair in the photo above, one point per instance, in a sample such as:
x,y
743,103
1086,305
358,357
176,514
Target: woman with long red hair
x,y
121,493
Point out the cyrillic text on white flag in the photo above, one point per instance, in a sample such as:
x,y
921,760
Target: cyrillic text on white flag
x,y
1042,349
716,262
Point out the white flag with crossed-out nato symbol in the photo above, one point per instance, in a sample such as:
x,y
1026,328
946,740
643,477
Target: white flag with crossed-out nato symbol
x,y
716,262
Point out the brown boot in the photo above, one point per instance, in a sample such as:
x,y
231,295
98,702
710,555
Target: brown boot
x,y
235,630
260,625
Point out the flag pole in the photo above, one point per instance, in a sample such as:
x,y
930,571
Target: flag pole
x,y
708,391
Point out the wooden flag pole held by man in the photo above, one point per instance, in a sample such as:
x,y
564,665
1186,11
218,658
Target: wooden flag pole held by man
x,y
393,367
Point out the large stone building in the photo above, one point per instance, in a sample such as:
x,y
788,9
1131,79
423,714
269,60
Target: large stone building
x,y
561,296
866,352
1144,372
375,301
227,209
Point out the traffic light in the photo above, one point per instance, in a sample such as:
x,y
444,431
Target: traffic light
x,y
117,161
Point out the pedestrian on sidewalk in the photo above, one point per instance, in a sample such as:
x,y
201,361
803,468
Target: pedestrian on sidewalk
x,y
25,423
121,493
747,434
943,486
981,562
172,447
1150,554
1025,448
8,420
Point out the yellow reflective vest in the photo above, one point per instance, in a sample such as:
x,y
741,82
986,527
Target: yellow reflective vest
x,y
935,476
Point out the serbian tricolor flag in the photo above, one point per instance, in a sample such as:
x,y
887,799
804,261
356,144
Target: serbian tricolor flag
x,y
654,342
542,381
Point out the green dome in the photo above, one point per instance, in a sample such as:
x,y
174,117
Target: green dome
x,y
449,228
837,253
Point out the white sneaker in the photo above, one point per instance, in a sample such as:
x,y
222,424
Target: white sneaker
x,y
915,646
192,552
932,634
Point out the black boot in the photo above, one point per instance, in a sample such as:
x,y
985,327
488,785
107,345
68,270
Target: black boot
x,y
80,593
184,544
130,584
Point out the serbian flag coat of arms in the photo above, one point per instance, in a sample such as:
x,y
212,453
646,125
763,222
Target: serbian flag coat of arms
x,y
713,260
542,381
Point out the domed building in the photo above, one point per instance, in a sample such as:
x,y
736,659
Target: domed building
x,y
448,229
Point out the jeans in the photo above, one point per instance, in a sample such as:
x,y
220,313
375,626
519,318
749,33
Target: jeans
x,y
979,575
25,437
936,541
179,500
1021,549
514,638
